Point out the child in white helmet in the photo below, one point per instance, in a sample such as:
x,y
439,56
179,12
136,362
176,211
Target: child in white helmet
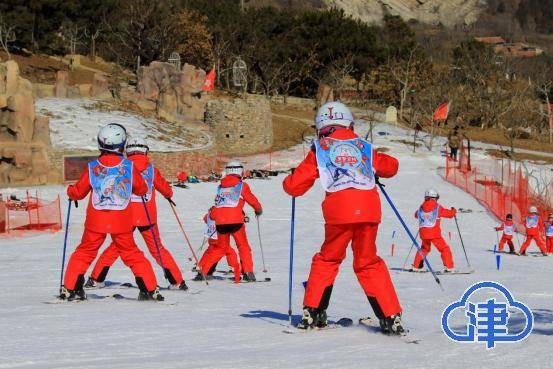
x,y
534,227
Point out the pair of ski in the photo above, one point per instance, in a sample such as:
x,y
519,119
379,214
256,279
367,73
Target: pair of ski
x,y
440,272
117,285
114,297
367,322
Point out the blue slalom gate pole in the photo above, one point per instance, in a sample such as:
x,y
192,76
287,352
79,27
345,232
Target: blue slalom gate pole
x,y
415,243
291,272
154,236
65,241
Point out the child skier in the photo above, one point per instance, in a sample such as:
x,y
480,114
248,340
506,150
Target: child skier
x,y
212,251
112,180
509,228
549,233
137,152
228,215
534,226
429,215
348,168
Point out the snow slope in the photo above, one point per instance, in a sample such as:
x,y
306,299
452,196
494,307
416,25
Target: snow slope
x,y
240,326
74,124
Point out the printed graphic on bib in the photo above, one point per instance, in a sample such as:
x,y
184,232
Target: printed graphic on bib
x,y
148,177
345,164
111,186
428,219
532,221
228,197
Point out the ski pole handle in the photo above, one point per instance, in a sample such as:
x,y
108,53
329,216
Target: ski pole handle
x,y
171,201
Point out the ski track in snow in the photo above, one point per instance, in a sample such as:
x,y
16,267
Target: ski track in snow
x,y
240,326
74,126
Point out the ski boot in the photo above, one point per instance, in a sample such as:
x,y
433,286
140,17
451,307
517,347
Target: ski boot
x,y
418,270
71,295
449,270
392,325
150,296
312,318
200,277
181,287
92,283
522,254
248,277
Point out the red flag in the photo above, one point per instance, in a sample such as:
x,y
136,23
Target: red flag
x,y
442,112
209,83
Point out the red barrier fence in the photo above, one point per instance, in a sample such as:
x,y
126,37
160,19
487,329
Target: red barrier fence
x,y
501,185
30,213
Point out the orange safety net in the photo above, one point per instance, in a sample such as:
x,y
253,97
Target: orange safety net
x,y
501,185
31,213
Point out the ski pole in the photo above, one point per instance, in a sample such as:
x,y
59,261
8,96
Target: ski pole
x,y
203,244
186,237
415,243
154,237
411,249
461,238
497,237
261,244
291,270
65,242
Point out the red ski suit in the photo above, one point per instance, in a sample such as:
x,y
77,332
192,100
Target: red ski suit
x,y
549,240
433,235
351,215
506,238
230,222
214,252
140,221
100,223
535,234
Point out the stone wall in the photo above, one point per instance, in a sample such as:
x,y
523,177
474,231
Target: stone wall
x,y
24,136
241,126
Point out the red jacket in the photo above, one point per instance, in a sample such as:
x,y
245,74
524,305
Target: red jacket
x,y
436,231
141,163
346,206
235,215
107,221
535,231
502,227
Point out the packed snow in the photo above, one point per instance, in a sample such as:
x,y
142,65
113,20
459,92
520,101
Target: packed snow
x,y
241,326
74,124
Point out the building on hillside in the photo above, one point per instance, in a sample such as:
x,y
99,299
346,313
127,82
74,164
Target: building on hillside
x,y
515,49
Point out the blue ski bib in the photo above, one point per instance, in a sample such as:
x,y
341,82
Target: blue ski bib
x,y
228,197
211,229
532,221
345,164
549,229
428,219
111,186
148,177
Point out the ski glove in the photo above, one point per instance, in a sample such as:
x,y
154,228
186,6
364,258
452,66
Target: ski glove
x,y
258,212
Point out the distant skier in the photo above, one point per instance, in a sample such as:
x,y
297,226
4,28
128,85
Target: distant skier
x,y
137,152
352,213
228,215
509,228
549,233
212,252
534,228
113,173
429,215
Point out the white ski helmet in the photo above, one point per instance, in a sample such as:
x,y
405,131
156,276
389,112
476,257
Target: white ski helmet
x,y
533,210
112,138
431,193
234,167
137,145
333,114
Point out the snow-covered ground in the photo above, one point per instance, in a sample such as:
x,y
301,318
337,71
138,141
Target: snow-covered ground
x,y
74,124
240,326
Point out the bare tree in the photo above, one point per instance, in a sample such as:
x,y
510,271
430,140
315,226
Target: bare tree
x,y
7,35
93,35
404,71
72,33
